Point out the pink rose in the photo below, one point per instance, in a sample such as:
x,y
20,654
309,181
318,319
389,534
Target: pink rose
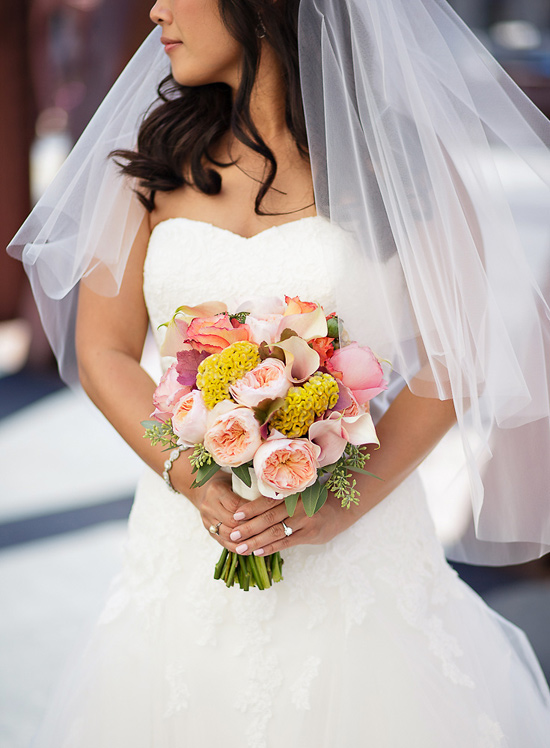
x,y
358,368
213,334
233,437
265,382
189,419
285,466
167,394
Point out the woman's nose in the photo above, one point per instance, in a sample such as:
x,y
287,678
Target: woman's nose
x,y
160,12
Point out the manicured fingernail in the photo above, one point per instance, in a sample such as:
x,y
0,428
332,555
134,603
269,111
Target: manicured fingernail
x,y
235,535
259,552
241,548
239,515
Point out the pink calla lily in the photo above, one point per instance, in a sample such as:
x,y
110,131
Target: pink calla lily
x,y
301,361
333,433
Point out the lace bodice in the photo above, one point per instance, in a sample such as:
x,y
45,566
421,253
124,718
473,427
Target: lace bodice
x,y
190,262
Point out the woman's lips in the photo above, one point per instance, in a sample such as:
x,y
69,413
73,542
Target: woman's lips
x,y
169,44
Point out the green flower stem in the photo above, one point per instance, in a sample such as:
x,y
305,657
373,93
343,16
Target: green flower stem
x,y
276,564
255,573
249,571
244,574
232,568
262,571
219,566
226,567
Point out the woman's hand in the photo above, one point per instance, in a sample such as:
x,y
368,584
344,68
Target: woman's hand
x,y
217,504
259,525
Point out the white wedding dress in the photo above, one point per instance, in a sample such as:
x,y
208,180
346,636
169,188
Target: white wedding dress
x,y
370,641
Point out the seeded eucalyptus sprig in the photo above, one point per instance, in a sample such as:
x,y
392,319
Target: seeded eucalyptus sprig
x,y
160,433
200,456
341,482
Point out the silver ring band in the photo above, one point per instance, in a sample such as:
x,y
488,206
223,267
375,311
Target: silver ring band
x,y
215,529
288,530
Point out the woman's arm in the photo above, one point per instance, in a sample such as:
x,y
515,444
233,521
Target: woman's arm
x,y
408,431
110,333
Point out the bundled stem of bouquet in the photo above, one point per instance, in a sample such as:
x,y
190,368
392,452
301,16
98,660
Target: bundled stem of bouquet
x,y
269,394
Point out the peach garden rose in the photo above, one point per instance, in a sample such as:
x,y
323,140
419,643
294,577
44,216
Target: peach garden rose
x,y
167,394
285,466
189,419
233,437
268,380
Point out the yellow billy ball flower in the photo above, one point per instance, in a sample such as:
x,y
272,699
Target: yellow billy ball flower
x,y
305,403
220,370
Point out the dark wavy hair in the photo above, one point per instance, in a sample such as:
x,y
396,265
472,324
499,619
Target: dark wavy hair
x,y
176,138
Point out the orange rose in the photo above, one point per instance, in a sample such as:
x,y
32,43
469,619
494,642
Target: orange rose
x,y
213,334
324,348
295,306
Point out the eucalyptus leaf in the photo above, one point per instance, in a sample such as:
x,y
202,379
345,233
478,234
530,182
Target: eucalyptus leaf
x,y
151,424
321,499
204,473
291,503
243,473
363,472
310,497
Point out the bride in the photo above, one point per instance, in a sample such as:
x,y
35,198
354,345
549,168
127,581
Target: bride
x,y
371,639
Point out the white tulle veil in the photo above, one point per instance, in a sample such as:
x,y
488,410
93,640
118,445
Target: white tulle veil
x,y
408,117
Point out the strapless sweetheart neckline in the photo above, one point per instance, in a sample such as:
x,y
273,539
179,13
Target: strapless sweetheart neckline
x,y
209,225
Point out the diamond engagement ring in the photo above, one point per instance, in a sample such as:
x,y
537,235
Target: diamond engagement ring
x,y
215,529
288,530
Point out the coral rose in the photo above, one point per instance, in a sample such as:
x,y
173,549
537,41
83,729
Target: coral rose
x,y
167,394
324,348
233,437
189,419
359,369
213,334
295,306
267,381
285,466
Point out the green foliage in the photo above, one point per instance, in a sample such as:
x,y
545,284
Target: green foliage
x,y
341,482
204,473
314,497
240,317
160,433
200,457
243,473
291,502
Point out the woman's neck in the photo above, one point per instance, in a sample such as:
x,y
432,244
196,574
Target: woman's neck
x,y
268,97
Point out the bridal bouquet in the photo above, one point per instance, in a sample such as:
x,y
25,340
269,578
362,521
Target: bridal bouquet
x,y
267,393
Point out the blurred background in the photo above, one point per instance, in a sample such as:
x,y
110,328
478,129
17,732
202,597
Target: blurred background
x,y
66,479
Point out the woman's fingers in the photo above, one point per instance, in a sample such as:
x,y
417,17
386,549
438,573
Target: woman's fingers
x,y
218,504
271,517
254,508
275,539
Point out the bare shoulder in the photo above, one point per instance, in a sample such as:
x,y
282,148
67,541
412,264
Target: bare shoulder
x,y
168,205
